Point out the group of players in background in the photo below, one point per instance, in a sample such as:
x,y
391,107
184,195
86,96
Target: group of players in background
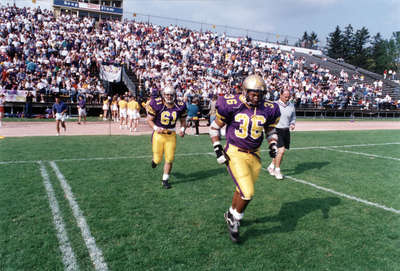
x,y
124,110
248,118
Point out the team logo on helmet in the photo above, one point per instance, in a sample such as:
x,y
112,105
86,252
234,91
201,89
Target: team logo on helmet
x,y
168,94
256,84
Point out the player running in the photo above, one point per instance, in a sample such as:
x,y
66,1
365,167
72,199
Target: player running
x,y
247,117
162,114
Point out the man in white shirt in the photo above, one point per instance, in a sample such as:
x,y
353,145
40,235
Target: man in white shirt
x,y
286,123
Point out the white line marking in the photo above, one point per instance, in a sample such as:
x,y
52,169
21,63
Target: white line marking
x,y
342,194
365,154
68,254
185,154
95,253
18,162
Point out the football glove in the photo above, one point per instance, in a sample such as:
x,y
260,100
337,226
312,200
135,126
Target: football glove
x,y
273,150
222,157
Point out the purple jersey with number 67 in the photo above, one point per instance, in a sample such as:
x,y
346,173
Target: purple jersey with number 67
x,y
245,124
166,117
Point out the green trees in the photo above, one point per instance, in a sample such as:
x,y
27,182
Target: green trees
x,y
308,41
358,48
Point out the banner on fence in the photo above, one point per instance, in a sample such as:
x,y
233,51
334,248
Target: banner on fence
x,y
16,95
110,73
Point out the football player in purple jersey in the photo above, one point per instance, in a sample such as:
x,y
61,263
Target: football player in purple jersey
x,y
247,118
162,114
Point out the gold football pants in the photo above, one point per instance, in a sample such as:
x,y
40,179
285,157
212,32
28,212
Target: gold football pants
x,y
164,144
244,167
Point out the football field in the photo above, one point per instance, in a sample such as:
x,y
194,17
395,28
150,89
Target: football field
x,y
95,203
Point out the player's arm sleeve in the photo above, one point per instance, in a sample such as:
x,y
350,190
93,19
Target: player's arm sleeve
x,y
274,117
151,109
183,109
222,110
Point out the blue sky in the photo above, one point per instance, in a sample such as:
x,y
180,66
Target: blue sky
x,y
284,17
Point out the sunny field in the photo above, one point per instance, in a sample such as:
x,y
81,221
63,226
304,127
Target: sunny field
x,y
95,203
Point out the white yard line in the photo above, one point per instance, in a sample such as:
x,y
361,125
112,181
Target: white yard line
x,y
95,253
188,154
346,146
366,202
68,254
364,154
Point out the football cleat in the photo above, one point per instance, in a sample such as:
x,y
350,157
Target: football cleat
x,y
153,165
271,171
278,174
166,184
233,226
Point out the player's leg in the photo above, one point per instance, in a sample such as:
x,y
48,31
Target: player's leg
x,y
63,125
158,149
244,169
170,146
58,126
79,115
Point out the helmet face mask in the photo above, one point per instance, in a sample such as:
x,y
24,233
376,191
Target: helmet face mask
x,y
168,94
253,90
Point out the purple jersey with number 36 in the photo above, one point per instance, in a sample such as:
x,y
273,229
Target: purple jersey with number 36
x,y
245,125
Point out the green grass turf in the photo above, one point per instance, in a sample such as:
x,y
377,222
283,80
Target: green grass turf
x,y
140,226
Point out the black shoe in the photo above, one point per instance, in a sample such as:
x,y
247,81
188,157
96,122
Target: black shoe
x,y
233,226
153,165
166,184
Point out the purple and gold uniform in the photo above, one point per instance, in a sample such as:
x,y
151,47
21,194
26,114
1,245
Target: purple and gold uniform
x,y
244,135
166,119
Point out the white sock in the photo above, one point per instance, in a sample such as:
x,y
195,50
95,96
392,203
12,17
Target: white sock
x,y
278,169
271,165
165,177
236,215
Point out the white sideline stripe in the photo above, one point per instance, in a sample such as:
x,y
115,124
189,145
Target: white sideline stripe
x,y
95,253
68,254
344,146
366,202
365,154
18,162
186,154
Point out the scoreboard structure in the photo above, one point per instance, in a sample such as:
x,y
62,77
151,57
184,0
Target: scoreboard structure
x,y
98,9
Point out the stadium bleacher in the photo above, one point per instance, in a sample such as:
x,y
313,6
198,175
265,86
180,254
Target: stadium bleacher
x,y
62,56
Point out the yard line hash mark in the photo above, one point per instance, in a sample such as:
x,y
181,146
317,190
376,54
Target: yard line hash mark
x,y
95,253
366,202
364,154
67,252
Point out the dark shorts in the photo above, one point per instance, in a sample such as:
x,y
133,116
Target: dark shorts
x,y
283,137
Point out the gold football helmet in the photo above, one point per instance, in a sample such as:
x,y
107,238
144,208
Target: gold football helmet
x,y
168,94
255,84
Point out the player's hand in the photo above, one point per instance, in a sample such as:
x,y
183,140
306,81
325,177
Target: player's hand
x,y
273,150
222,157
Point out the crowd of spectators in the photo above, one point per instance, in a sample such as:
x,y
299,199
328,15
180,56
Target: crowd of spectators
x,y
62,56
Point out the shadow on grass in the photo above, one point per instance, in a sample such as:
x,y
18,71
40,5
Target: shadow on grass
x,y
197,175
289,215
302,167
